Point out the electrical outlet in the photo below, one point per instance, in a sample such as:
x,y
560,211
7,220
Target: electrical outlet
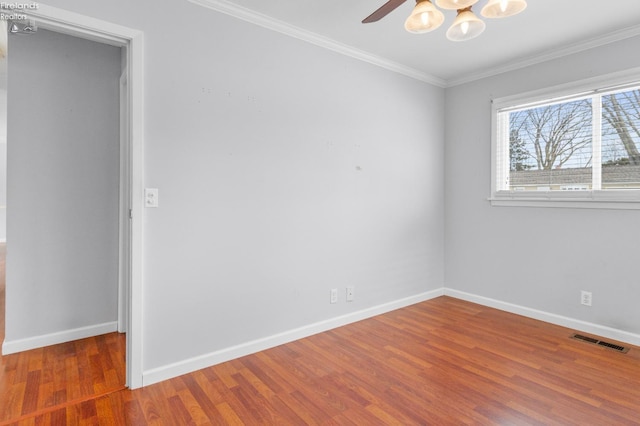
x,y
586,298
351,293
334,295
151,197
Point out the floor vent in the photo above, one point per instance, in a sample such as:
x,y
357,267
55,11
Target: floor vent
x,y
613,346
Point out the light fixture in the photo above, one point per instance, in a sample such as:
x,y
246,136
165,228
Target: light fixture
x,y
466,26
424,18
503,8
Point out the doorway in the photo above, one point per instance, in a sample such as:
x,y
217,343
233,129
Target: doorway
x,y
63,189
63,138
130,192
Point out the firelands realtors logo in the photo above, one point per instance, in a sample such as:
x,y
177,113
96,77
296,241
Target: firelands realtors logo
x,y
16,11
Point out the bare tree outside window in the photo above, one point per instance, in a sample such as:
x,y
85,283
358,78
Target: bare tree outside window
x,y
621,118
588,141
552,136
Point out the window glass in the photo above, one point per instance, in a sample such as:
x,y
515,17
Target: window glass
x,y
621,140
586,142
550,146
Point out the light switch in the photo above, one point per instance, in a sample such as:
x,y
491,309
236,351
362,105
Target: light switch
x,y
151,197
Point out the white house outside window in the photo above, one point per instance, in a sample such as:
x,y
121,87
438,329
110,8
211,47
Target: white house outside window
x,y
577,146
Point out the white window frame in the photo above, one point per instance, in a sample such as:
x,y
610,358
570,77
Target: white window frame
x,y
607,199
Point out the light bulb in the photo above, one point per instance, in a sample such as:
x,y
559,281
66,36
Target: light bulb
x,y
464,27
503,5
424,17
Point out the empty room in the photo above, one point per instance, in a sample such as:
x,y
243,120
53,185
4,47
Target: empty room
x,y
331,212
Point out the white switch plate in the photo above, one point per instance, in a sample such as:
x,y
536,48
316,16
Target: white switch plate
x,y
334,295
151,197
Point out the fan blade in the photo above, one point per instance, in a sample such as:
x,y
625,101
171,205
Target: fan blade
x,y
384,10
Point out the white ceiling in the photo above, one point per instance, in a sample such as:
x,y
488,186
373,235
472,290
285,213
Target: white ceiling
x,y
545,29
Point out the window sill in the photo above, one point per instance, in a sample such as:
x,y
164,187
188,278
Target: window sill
x,y
612,200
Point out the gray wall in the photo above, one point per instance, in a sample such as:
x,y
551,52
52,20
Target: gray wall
x,y
63,174
284,170
539,258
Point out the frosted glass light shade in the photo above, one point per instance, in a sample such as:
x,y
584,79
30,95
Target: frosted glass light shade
x,y
455,4
424,18
466,26
503,8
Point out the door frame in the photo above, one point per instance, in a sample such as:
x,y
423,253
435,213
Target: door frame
x,y
131,167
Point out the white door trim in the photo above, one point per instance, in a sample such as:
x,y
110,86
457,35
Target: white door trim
x,y
124,222
131,41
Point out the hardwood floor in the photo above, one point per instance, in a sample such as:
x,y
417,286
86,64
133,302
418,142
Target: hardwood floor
x,y
440,362
35,381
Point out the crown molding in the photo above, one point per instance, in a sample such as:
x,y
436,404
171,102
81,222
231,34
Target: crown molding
x,y
265,21
549,55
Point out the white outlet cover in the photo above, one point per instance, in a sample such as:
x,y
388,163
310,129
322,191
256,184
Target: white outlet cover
x,y
350,293
151,197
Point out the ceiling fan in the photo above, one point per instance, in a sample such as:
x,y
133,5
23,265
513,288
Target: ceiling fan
x,y
426,17
383,11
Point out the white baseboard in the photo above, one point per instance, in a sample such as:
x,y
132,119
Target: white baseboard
x,y
159,374
574,324
13,346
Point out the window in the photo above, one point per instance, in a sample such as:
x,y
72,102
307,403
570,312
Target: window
x,y
578,145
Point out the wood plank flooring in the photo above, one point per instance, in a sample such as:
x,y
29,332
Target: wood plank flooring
x,y
68,374
440,362
34,381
